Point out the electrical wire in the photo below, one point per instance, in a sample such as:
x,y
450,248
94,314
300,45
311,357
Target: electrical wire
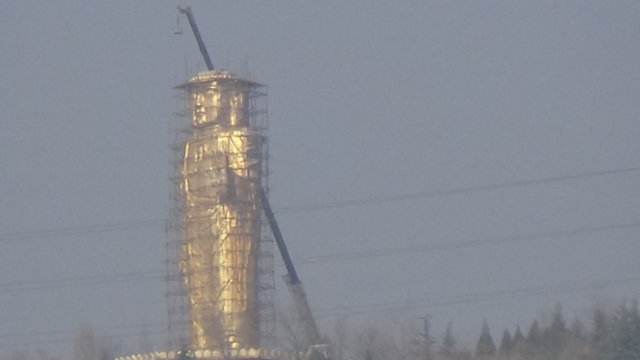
x,y
447,192
68,339
78,281
363,309
335,257
63,332
79,230
462,244
153,223
339,310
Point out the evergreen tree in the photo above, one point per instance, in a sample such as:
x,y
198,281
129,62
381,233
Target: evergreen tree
x,y
518,342
599,338
626,334
506,343
424,343
634,322
368,355
577,330
555,337
577,342
534,340
486,347
448,348
518,338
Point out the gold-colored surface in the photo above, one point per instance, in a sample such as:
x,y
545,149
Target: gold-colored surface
x,y
221,184
215,354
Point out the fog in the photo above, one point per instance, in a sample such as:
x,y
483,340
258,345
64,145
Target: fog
x,y
467,160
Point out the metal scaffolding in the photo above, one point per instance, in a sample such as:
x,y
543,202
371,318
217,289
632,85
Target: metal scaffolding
x,y
220,267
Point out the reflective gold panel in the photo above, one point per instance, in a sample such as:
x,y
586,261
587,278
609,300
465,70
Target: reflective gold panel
x,y
222,174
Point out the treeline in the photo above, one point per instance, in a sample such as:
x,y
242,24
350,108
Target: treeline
x,y
86,346
604,335
612,334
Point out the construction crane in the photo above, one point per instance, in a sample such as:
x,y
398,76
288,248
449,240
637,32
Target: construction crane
x,y
196,33
298,295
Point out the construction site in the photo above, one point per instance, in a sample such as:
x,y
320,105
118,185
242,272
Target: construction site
x,y
312,181
221,231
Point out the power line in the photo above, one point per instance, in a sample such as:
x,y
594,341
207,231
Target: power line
x,y
152,223
362,309
447,192
80,230
59,332
77,281
335,257
463,244
68,339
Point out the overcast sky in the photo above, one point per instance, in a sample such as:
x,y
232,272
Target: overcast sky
x,y
418,111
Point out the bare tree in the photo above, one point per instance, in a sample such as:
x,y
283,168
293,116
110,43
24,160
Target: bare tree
x,y
366,343
146,344
373,344
293,337
399,336
340,338
86,346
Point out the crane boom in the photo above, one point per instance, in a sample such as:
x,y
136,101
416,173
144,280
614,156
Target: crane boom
x,y
282,247
196,33
299,296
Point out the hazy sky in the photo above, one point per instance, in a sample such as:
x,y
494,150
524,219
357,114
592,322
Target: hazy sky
x,y
367,101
